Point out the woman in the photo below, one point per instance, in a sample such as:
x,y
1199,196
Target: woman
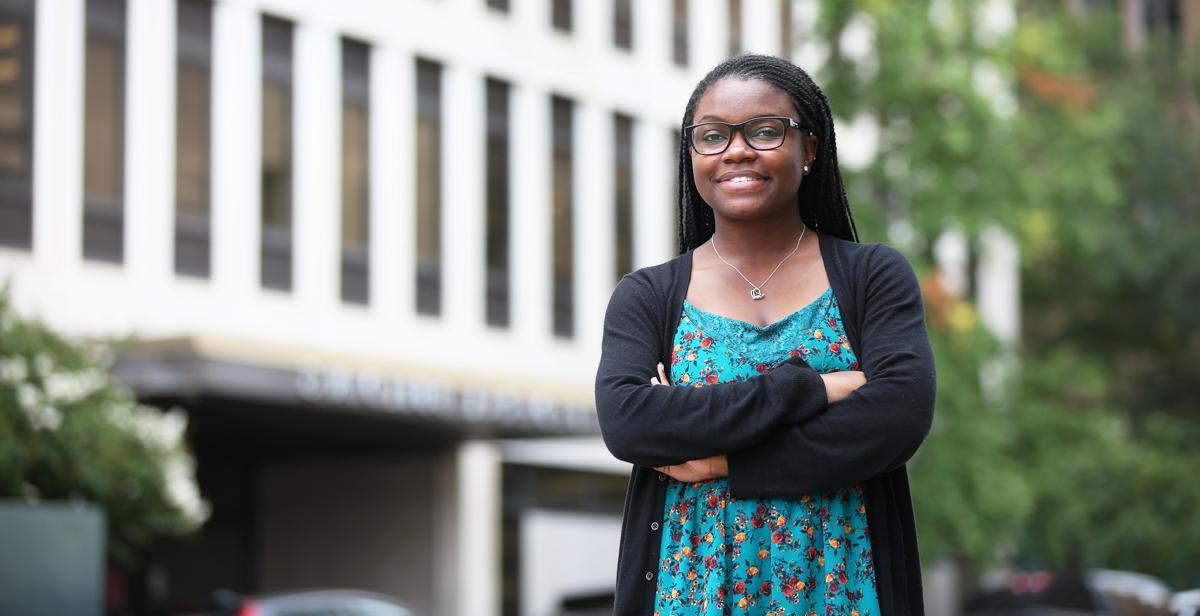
x,y
770,382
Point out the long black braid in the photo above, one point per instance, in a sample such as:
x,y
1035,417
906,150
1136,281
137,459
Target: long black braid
x,y
821,198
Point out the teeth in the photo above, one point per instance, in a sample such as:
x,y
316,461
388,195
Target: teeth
x,y
741,179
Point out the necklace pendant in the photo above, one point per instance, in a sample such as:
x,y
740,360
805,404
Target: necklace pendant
x,y
757,293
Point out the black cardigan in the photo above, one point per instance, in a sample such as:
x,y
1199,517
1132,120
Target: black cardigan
x,y
782,437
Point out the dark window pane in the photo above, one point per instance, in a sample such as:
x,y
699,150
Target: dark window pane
x,y
104,132
497,292
193,110
561,169
623,23
356,181
560,14
623,168
16,123
499,5
679,31
429,187
734,21
785,28
276,176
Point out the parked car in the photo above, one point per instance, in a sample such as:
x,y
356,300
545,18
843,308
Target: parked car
x,y
310,603
1095,592
1186,603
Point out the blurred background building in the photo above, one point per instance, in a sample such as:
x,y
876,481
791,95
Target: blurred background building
x,y
367,246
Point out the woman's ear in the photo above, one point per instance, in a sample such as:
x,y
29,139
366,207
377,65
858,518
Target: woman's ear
x,y
810,149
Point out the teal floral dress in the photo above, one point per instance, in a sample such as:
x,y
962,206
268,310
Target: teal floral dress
x,y
810,554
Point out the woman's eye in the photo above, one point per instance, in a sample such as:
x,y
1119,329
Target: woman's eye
x,y
713,137
765,132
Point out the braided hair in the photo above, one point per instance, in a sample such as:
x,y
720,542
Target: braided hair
x,y
821,198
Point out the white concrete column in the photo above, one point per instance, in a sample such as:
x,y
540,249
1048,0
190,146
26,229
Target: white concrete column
x,y
702,15
594,229
953,256
478,515
317,150
236,148
463,205
531,215
998,277
655,166
653,42
150,145
391,227
593,24
760,26
58,136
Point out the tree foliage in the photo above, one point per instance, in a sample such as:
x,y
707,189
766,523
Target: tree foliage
x,y
68,432
1088,154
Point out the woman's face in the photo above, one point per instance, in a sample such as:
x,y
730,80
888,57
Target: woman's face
x,y
743,183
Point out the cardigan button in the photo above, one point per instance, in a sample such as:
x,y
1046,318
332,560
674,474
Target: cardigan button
x,y
649,576
654,526
662,477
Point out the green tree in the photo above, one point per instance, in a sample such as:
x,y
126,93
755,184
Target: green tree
x,y
67,431
1087,154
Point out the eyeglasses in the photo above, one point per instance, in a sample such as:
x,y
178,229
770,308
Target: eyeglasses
x,y
765,133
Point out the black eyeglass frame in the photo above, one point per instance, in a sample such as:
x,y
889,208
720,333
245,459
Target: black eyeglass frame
x,y
741,128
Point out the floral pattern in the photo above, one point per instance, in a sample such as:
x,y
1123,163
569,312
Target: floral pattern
x,y
805,555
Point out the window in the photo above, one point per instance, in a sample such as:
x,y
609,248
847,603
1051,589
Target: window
x,y
785,28
16,123
560,14
193,134
497,292
562,194
104,132
356,179
276,187
623,207
679,32
623,24
734,21
429,187
499,5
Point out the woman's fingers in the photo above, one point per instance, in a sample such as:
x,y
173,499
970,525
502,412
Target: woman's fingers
x,y
654,380
662,374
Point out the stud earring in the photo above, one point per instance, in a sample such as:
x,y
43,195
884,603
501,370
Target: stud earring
x,y
806,168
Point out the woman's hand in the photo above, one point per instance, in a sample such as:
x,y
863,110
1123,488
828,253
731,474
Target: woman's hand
x,y
838,385
661,379
697,470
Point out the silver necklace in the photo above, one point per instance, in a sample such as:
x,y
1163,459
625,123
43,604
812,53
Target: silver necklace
x,y
756,292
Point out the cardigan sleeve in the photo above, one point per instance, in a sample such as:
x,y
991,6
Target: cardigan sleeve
x,y
876,428
654,425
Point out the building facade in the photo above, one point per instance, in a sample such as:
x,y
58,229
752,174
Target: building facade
x,y
368,247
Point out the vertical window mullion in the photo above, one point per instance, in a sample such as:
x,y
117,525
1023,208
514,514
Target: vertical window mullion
x,y
497,223
562,171
193,137
104,131
429,187
16,124
733,21
623,207
277,157
679,31
356,179
623,24
560,15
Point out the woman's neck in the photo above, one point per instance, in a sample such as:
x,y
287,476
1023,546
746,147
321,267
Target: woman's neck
x,y
758,242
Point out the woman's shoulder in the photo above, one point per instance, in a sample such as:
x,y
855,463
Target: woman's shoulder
x,y
653,285
655,278
867,255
